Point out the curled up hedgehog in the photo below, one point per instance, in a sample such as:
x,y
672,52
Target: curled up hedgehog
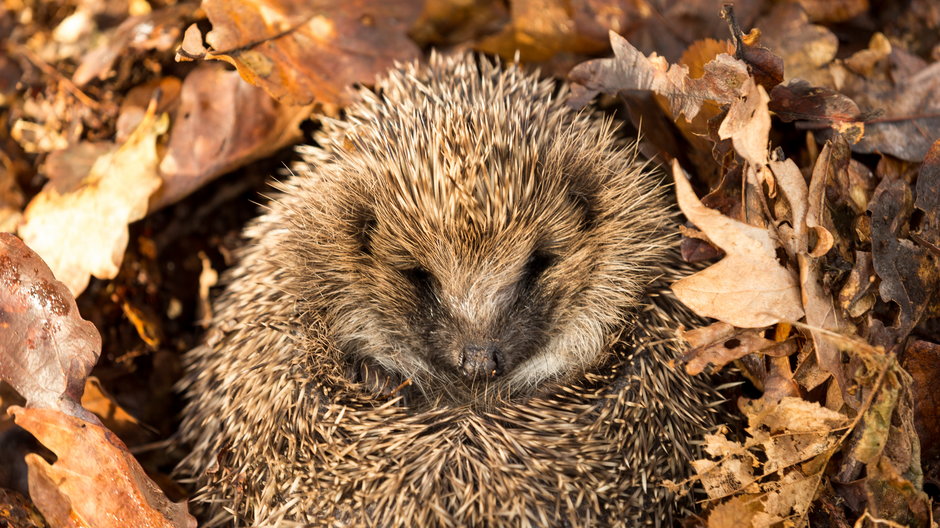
x,y
454,314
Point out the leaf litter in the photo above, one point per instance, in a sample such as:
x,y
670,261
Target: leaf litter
x,y
809,129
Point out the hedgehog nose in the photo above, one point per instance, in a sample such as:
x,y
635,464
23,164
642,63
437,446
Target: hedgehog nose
x,y
480,360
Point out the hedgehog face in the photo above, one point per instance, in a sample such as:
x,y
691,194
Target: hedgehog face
x,y
470,305
479,242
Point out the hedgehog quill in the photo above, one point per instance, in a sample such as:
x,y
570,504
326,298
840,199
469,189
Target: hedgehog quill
x,y
454,313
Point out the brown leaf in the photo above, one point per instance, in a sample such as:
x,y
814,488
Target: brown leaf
x,y
927,233
16,511
47,348
748,124
766,67
806,49
137,101
96,400
922,361
794,435
222,123
813,107
748,288
909,273
158,29
833,10
887,444
11,198
857,295
89,460
723,81
538,30
911,120
458,21
898,93
301,51
81,229
720,343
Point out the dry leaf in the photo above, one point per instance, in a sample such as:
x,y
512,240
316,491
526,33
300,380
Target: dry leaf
x,y
806,49
156,30
748,124
910,273
46,348
748,288
81,229
538,30
301,51
222,123
720,343
95,481
723,81
813,107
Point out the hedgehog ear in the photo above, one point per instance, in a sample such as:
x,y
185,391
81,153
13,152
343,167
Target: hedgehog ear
x,y
585,199
365,224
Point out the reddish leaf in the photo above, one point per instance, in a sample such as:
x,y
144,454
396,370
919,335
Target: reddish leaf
x,y
922,361
764,65
304,51
46,348
815,107
90,460
221,123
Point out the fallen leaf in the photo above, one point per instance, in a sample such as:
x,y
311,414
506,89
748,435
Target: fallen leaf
x,y
909,273
135,104
221,123
89,460
538,29
765,66
96,400
300,51
47,348
857,294
795,437
922,360
911,120
901,102
813,107
723,81
748,124
16,511
81,229
720,343
159,30
833,10
806,49
748,288
11,199
446,22
927,233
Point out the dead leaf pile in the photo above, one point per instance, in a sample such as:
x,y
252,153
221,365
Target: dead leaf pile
x,y
828,265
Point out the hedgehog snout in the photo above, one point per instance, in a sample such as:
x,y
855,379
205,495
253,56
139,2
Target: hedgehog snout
x,y
480,360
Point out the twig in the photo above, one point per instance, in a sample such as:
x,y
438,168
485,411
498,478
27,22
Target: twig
x,y
46,68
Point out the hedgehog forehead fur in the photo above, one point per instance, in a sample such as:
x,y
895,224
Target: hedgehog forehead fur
x,y
525,224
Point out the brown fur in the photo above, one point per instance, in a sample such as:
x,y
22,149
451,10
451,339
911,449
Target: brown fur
x,y
460,204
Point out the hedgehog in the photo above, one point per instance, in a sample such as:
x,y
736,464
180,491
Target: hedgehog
x,y
454,312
